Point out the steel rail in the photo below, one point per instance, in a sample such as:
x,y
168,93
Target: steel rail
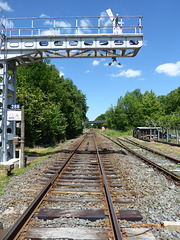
x,y
109,200
150,149
168,143
14,231
173,176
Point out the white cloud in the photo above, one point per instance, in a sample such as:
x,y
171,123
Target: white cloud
x,y
85,24
103,14
58,24
43,16
61,74
83,27
48,22
169,69
118,66
4,6
62,24
88,71
95,62
50,32
105,21
108,23
128,73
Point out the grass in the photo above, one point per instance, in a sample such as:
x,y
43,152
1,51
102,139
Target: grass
x,y
42,154
115,134
42,151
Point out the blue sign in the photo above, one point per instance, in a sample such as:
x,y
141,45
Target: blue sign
x,y
15,106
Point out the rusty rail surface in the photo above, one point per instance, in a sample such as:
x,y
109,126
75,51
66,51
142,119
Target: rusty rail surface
x,y
168,143
109,201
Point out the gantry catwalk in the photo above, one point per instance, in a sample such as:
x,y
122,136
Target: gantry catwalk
x,y
29,40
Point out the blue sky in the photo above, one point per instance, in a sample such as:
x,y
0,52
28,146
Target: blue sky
x,y
156,66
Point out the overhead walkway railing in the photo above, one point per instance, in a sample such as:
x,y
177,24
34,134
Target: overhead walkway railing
x,y
53,26
27,40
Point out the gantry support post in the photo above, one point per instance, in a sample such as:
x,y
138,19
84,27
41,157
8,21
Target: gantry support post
x,y
7,97
3,109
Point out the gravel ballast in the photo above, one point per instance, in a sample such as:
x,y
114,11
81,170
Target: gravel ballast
x,y
155,196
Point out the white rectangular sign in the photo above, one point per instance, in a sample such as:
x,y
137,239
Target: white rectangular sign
x,y
14,115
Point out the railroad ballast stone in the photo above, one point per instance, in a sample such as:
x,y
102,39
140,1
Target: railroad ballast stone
x,y
156,197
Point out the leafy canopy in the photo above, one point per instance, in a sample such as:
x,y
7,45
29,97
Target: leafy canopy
x,y
54,107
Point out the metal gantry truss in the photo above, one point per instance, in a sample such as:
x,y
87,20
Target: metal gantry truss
x,y
29,40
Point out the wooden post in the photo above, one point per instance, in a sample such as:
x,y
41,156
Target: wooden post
x,y
177,142
22,159
167,135
150,135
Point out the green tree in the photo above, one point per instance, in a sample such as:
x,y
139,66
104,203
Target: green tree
x,y
133,108
110,118
137,109
54,107
171,102
152,109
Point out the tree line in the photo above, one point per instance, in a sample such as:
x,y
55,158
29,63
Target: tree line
x,y
144,109
54,107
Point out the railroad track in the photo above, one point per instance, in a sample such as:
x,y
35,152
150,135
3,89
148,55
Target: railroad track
x,y
176,160
169,173
168,143
80,192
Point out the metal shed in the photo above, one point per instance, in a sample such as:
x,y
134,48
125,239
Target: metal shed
x,y
146,133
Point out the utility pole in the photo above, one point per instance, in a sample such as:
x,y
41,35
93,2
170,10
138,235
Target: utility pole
x,y
22,159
